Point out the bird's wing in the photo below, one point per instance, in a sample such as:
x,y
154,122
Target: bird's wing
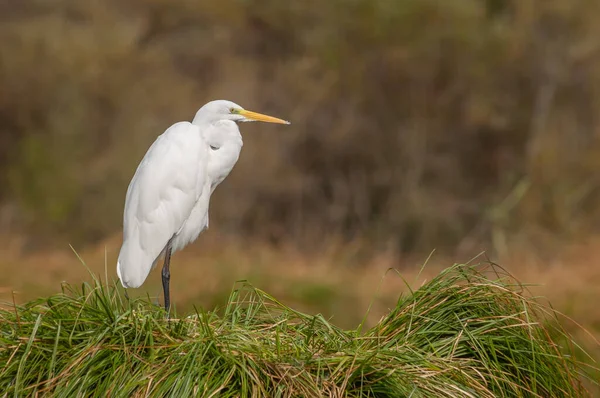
x,y
160,198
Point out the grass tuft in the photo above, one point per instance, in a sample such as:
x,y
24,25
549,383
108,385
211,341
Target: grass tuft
x,y
466,333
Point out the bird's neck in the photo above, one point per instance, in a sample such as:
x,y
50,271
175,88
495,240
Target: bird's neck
x,y
225,146
223,135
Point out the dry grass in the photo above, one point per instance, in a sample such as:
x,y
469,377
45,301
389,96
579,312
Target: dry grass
x,y
570,280
335,283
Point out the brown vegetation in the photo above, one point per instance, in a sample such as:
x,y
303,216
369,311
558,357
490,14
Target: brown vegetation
x,y
416,124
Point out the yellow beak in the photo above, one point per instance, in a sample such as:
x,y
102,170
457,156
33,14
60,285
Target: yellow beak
x,y
262,118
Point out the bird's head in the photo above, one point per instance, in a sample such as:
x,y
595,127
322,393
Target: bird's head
x,y
227,110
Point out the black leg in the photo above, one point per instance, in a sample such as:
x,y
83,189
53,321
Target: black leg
x,y
166,276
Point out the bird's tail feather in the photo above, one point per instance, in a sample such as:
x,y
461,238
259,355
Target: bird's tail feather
x,y
133,265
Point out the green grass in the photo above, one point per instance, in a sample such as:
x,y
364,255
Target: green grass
x,y
466,333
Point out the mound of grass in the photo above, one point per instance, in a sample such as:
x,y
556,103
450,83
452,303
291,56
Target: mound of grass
x,y
466,333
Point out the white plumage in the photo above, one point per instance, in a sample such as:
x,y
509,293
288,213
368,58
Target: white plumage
x,y
166,205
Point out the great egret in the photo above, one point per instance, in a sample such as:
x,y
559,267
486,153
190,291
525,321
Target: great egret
x,y
166,206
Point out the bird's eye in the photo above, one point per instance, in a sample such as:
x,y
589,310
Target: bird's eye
x,y
232,110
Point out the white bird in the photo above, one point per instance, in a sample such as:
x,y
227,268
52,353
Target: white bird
x,y
166,206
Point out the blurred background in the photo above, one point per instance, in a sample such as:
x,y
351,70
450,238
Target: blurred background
x,y
417,125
